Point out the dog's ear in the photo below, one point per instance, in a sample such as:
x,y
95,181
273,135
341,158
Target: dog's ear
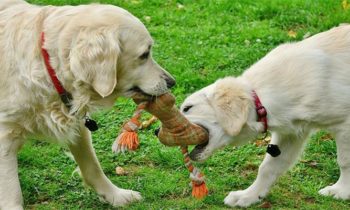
x,y
231,105
93,59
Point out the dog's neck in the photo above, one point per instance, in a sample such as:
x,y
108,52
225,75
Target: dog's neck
x,y
260,111
65,96
257,115
261,114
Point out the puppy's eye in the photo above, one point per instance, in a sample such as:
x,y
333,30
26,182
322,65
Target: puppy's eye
x,y
187,108
144,56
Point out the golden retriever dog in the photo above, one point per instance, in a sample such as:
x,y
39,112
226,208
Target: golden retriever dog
x,y
302,86
98,53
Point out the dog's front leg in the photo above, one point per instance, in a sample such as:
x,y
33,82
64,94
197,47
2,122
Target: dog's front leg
x,y
10,190
270,169
93,175
341,189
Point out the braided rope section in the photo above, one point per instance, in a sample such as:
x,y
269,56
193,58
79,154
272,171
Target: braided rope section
x,y
128,138
199,188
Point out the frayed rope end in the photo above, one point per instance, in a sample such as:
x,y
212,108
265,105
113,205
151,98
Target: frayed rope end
x,y
199,191
129,139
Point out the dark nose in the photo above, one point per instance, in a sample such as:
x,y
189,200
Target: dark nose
x,y
170,82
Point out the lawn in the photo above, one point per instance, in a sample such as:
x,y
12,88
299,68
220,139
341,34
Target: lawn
x,y
198,42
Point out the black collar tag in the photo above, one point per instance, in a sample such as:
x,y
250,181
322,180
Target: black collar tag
x,y
91,124
273,150
67,98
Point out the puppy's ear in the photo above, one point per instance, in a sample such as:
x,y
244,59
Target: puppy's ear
x,y
93,59
231,104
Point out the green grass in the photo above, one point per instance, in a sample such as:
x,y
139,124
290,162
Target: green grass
x,y
201,42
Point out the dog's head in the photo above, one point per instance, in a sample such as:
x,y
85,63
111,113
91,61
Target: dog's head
x,y
224,109
112,55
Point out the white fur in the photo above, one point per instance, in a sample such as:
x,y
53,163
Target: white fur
x,y
95,50
304,86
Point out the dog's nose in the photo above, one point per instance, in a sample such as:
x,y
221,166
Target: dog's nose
x,y
170,82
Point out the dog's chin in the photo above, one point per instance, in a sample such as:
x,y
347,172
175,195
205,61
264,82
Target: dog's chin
x,y
217,140
140,94
198,153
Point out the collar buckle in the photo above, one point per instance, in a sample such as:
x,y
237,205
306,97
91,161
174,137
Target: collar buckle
x,y
261,111
66,98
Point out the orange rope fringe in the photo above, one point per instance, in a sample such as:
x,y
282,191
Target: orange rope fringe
x,y
199,191
130,139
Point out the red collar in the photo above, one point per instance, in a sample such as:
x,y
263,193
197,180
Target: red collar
x,y
260,111
65,96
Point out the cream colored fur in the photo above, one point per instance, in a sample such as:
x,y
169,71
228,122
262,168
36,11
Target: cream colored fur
x,y
304,86
96,51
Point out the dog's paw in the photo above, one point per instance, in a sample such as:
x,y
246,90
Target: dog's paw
x,y
120,197
241,198
336,191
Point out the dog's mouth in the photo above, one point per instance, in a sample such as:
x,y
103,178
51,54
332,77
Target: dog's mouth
x,y
138,94
138,90
198,149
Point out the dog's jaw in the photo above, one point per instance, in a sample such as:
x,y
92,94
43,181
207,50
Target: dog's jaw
x,y
217,139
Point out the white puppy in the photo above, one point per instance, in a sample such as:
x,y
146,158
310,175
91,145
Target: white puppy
x,y
303,86
99,52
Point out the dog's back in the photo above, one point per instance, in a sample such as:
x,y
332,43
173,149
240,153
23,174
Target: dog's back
x,y
335,42
5,4
312,76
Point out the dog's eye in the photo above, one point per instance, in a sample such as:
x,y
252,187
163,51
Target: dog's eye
x,y
144,56
187,108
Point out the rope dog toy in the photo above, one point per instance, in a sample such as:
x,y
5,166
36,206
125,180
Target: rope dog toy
x,y
176,130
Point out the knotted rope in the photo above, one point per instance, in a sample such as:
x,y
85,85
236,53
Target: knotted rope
x,y
128,138
199,188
